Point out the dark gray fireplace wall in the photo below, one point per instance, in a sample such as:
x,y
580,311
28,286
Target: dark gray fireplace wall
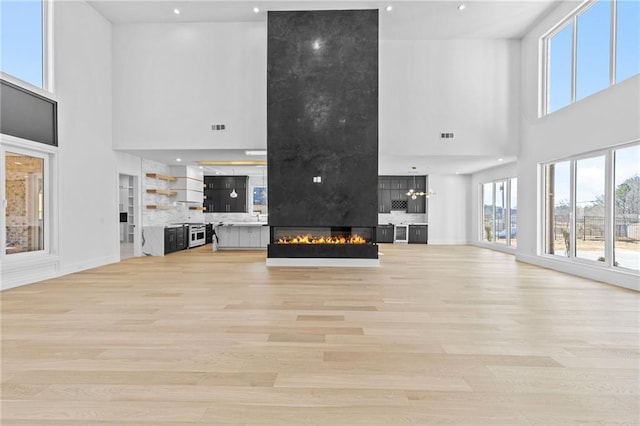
x,y
322,118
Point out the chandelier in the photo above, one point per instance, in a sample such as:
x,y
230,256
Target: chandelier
x,y
415,194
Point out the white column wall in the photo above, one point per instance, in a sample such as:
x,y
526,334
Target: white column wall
x,y
88,200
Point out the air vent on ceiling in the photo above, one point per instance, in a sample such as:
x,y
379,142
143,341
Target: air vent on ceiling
x,y
446,135
217,127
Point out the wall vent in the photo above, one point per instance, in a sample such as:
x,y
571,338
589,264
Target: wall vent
x,y
217,127
446,135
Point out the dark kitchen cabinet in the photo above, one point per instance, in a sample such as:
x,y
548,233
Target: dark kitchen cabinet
x,y
384,201
399,182
208,236
182,238
398,194
418,234
420,183
395,188
169,240
218,191
384,234
384,182
175,238
416,206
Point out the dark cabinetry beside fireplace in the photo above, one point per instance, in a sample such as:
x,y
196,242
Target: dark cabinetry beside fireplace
x,y
384,234
392,194
418,234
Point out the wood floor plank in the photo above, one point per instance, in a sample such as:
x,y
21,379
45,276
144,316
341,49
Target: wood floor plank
x,y
436,335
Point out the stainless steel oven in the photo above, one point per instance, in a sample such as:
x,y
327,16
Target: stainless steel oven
x,y
197,234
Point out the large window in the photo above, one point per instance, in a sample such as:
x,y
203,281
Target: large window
x,y
513,212
627,207
558,208
559,78
25,203
487,212
595,47
499,212
592,208
23,40
627,39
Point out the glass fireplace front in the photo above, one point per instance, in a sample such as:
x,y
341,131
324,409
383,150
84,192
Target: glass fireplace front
x,y
322,235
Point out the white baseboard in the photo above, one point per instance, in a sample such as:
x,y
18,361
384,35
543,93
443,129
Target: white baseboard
x,y
26,273
88,264
445,242
623,279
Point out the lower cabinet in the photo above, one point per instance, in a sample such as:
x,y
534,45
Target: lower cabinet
x,y
384,234
175,238
418,234
182,238
239,236
208,236
169,240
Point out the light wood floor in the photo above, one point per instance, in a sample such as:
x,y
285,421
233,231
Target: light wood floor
x,y
436,335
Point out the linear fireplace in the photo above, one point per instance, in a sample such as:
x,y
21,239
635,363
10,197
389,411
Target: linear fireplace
x,y
322,235
323,242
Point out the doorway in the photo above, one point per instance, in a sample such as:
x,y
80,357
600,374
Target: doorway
x,y
126,208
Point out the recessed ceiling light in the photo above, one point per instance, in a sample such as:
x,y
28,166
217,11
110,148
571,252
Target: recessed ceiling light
x,y
500,159
462,7
389,8
256,10
200,167
178,159
176,11
255,152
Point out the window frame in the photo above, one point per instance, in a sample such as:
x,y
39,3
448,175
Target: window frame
x,y
506,216
572,18
50,186
48,87
609,209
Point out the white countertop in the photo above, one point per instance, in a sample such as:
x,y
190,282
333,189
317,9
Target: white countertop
x,y
402,224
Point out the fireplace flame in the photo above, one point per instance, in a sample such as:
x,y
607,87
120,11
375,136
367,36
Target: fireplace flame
x,y
310,239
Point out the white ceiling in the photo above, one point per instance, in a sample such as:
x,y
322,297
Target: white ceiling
x,y
409,20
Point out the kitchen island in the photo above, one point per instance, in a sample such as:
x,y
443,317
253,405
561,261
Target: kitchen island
x,y
242,235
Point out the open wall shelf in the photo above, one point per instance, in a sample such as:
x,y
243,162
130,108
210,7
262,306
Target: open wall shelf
x,y
161,177
162,191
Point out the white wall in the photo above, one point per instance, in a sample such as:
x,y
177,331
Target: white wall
x,y
469,87
173,81
605,119
88,200
448,209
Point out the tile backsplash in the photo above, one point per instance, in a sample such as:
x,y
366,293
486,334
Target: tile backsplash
x,y
178,212
401,217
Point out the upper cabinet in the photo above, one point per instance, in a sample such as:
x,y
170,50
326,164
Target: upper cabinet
x,y
392,194
225,194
